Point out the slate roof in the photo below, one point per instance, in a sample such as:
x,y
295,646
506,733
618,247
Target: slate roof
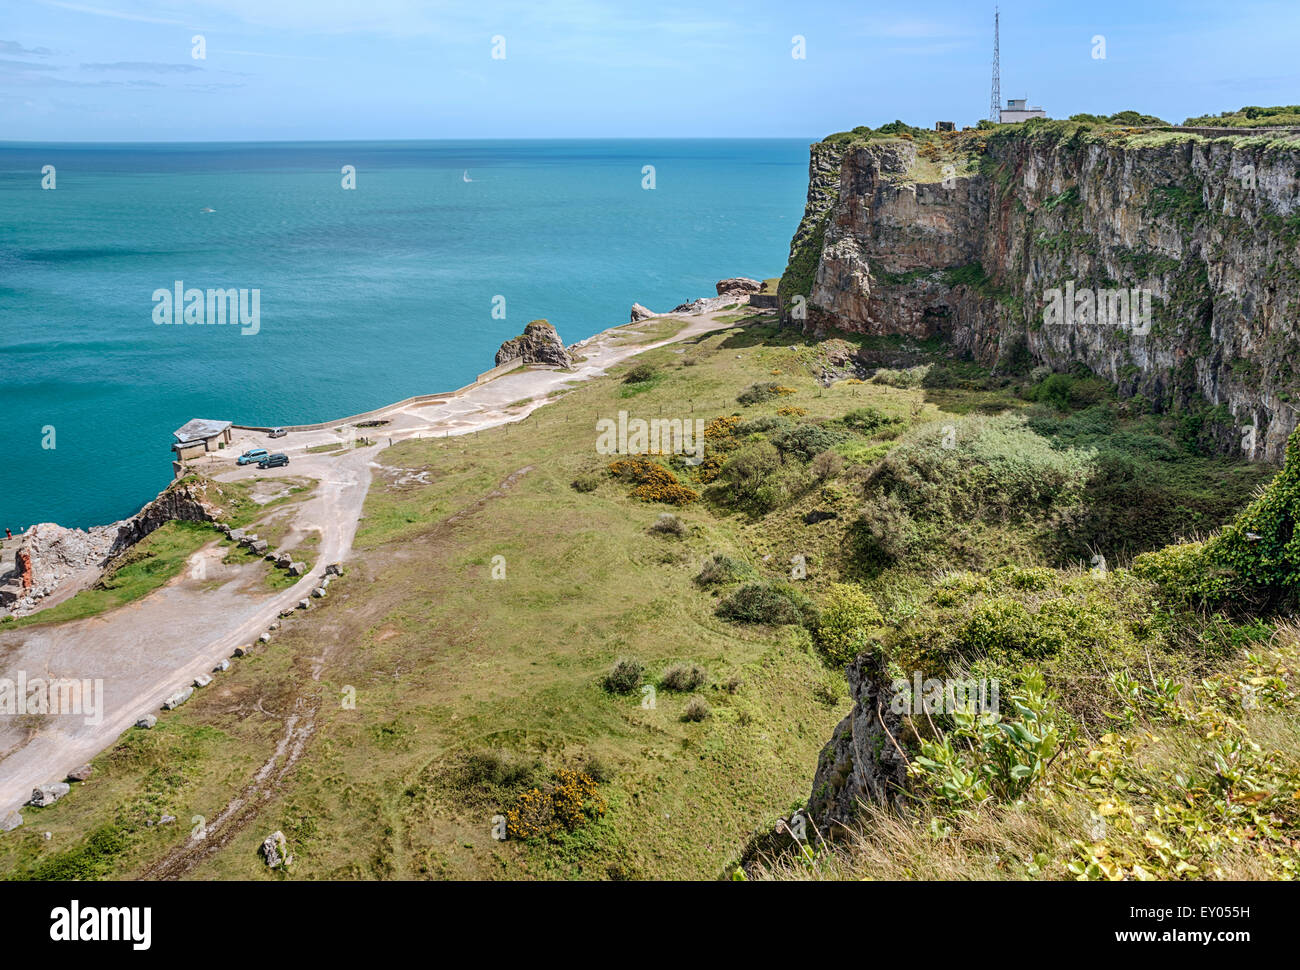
x,y
199,429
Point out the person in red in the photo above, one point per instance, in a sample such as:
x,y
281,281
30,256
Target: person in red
x,y
8,534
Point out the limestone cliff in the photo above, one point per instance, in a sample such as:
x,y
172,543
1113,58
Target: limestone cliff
x,y
893,243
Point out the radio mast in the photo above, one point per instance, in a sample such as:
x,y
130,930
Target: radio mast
x,y
995,103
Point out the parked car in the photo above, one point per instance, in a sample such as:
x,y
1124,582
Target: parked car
x,y
273,461
251,455
277,433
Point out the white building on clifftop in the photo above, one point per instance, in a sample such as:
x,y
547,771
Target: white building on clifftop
x,y
1017,110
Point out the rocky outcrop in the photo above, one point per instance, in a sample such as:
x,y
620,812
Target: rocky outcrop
x,y
1210,229
52,559
738,286
863,762
49,794
538,344
275,850
187,500
640,313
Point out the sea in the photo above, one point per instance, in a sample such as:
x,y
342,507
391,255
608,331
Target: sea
x,y
404,283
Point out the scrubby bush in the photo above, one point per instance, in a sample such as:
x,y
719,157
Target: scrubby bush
x,y
720,569
766,602
499,768
763,425
764,391
826,465
653,482
844,629
669,524
588,482
907,378
684,677
750,478
806,440
697,709
640,374
873,422
625,676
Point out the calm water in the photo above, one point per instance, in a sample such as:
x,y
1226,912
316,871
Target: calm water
x,y
367,296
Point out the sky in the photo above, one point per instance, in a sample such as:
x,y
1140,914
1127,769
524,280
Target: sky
x,y
284,70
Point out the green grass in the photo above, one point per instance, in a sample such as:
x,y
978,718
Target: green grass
x,y
447,661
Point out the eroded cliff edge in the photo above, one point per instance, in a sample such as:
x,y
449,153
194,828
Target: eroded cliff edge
x,y
959,236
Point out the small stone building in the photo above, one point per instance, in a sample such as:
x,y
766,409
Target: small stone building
x,y
201,435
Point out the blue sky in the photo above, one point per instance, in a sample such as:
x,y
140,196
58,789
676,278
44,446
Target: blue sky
x,y
123,70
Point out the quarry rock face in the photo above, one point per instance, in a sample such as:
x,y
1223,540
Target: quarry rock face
x,y
539,344
862,763
1210,229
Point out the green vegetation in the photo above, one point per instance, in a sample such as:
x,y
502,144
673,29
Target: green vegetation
x,y
951,521
1251,117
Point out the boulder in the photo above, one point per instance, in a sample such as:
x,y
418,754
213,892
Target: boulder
x,y
237,535
303,604
258,547
276,851
334,569
80,774
275,626
177,699
640,313
146,722
222,666
297,568
318,592
202,680
166,819
242,651
283,560
49,794
10,822
264,638
739,286
539,344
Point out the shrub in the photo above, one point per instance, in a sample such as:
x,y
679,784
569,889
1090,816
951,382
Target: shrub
x,y
1259,552
826,465
749,478
697,709
764,602
999,626
765,391
625,676
720,569
561,806
669,524
499,768
844,629
1179,570
684,677
639,374
586,483
806,440
873,422
653,482
907,378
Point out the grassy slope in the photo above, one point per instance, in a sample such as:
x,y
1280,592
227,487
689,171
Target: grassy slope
x,y
446,661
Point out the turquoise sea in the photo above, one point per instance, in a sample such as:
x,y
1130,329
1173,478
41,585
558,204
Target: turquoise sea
x,y
366,295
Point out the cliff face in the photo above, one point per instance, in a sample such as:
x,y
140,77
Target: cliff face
x,y
1209,228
